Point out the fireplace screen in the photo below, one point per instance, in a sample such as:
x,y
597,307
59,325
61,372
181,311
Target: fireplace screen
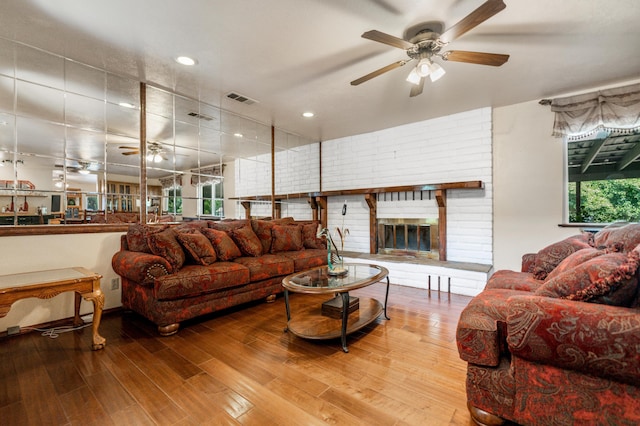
x,y
408,236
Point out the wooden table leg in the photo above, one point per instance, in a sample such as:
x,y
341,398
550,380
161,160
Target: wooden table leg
x,y
97,297
77,321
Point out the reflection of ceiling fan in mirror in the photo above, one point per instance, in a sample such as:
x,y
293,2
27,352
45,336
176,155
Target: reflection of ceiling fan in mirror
x,y
82,167
424,42
154,151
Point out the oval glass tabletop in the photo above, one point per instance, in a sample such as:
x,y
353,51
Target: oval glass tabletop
x,y
318,280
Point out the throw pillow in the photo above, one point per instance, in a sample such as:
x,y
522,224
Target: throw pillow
x,y
137,236
246,240
608,279
628,236
166,245
286,238
551,256
262,229
227,224
223,244
575,259
309,237
198,246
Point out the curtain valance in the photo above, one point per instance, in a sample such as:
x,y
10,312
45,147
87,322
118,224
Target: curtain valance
x,y
617,108
171,181
209,174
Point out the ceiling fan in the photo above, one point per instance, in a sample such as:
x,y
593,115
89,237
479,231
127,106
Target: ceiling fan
x,y
154,151
426,42
82,167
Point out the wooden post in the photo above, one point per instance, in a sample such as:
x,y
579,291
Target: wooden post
x,y
143,153
273,174
277,208
441,198
372,202
247,209
322,203
314,208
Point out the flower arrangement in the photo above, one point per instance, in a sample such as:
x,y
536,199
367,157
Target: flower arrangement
x,y
342,231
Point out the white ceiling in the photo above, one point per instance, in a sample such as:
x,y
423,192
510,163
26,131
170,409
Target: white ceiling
x,y
300,55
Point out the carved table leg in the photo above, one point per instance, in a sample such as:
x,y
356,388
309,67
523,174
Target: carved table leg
x,y
97,297
77,321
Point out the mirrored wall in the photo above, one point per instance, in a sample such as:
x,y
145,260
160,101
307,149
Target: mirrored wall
x,y
70,150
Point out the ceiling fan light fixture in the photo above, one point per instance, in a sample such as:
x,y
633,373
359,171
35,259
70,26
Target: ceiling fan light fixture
x,y
436,71
413,77
84,171
423,68
154,158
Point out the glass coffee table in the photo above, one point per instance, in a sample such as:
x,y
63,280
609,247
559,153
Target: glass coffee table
x,y
329,320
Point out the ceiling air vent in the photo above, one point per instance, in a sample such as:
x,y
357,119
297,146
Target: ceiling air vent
x,y
241,98
200,116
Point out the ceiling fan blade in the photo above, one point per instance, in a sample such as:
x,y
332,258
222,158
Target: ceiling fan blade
x,y
131,153
387,39
378,72
493,59
472,20
416,89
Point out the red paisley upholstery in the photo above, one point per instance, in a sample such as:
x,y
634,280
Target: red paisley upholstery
x,y
137,236
522,281
198,246
286,238
206,282
267,266
193,280
536,357
166,245
246,240
609,279
226,248
262,229
309,237
549,257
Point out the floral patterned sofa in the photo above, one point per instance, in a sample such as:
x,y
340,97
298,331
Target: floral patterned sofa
x,y
559,342
174,273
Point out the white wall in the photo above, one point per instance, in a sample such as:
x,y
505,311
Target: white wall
x,y
40,252
447,149
528,171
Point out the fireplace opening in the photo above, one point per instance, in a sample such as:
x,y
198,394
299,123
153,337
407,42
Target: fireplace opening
x,y
413,237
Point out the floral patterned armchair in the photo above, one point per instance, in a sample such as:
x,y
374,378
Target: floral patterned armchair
x,y
559,342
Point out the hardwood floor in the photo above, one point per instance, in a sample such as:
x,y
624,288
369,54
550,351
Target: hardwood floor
x,y
239,367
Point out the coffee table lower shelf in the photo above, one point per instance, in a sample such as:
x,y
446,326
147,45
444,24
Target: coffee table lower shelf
x,y
310,323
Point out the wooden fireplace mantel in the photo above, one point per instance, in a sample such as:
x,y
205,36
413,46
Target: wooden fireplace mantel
x,y
318,203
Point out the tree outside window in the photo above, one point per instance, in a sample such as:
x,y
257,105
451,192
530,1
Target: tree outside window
x,y
173,197
604,178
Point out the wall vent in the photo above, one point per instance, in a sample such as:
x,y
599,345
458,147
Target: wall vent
x,y
241,98
200,116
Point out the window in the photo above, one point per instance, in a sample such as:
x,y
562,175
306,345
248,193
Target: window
x,y
211,196
604,177
173,200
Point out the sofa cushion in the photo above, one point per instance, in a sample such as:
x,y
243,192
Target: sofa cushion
x,y
306,259
549,257
262,229
226,249
267,266
505,279
608,279
627,235
197,246
166,245
575,259
286,238
137,236
310,238
193,280
227,224
246,240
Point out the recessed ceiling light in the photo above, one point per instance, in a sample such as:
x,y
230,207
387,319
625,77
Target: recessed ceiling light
x,y
308,114
185,60
238,135
126,105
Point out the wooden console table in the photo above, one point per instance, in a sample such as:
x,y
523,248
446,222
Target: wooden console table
x,y
50,283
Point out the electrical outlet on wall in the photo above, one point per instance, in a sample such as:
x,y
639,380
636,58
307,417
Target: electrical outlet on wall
x,y
115,283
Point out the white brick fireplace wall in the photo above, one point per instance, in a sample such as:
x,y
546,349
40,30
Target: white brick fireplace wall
x,y
447,149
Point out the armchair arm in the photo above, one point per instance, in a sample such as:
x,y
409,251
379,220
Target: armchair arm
x,y
596,339
142,268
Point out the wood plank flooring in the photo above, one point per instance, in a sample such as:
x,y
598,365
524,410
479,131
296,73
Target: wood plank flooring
x,y
239,368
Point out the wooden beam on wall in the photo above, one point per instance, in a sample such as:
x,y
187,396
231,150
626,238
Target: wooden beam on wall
x,y
247,209
322,203
372,202
143,153
441,199
314,208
